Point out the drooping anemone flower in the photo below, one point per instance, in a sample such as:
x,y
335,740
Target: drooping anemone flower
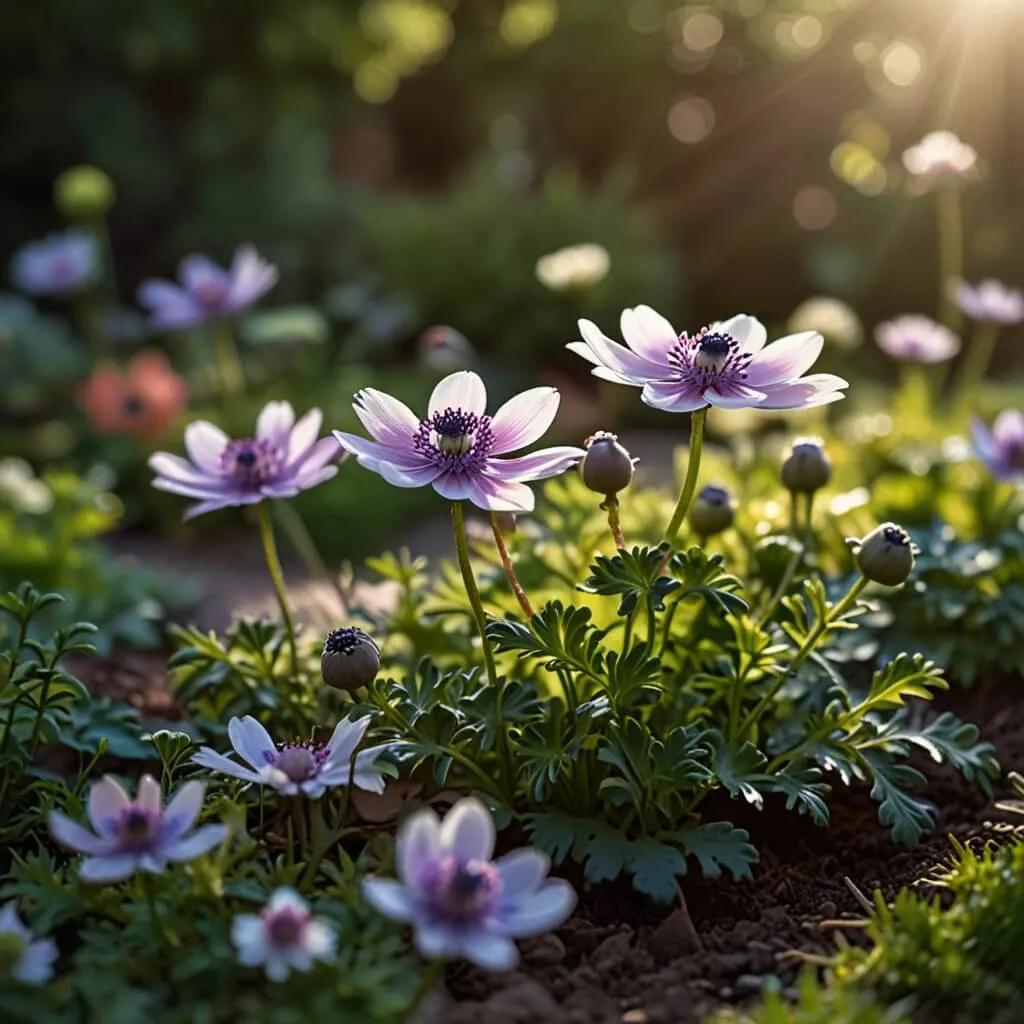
x,y
142,400
283,459
725,365
917,339
460,902
136,835
58,264
1002,447
283,937
207,292
300,767
455,448
22,957
990,302
941,158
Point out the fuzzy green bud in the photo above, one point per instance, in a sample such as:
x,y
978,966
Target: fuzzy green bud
x,y
607,468
83,193
713,511
772,556
350,659
807,468
886,555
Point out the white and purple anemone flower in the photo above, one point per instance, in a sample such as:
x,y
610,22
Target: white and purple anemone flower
x,y
207,291
58,264
460,902
1002,447
917,339
22,957
283,458
990,302
133,835
299,767
725,365
454,449
283,937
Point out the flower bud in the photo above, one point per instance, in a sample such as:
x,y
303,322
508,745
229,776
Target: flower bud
x,y
713,511
886,555
607,468
83,193
807,468
350,659
772,556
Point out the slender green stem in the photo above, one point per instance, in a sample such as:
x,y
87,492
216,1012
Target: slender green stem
x,y
690,483
154,913
951,253
277,579
301,539
37,726
510,572
229,365
90,323
473,593
805,651
794,559
976,363
611,504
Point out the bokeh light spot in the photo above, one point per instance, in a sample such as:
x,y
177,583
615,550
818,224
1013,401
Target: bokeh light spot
x,y
702,31
525,22
814,208
691,119
902,63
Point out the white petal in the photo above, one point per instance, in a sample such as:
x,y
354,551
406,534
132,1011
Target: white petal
x,y
624,363
303,436
287,899
205,445
275,423
386,418
417,844
648,333
148,796
673,396
252,741
208,758
320,939
462,390
785,360
748,332
107,799
390,898
523,419
468,831
346,737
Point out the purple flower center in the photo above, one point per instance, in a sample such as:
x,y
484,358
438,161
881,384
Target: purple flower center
x,y
138,828
456,440
464,892
300,761
133,406
63,269
210,293
894,535
709,359
250,462
285,926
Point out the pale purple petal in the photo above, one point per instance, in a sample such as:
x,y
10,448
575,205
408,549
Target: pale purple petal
x,y
275,422
113,868
303,436
467,831
199,273
309,475
418,843
214,504
195,844
748,332
1008,428
390,898
208,758
251,741
785,359
984,442
624,363
107,799
346,737
490,951
437,941
673,396
495,495
10,923
169,305
521,871
806,393
73,836
536,465
369,781
372,453
148,796
251,278
461,390
174,469
36,964
648,333
402,477
540,911
386,418
523,419
205,444
321,452
454,486
731,395
183,809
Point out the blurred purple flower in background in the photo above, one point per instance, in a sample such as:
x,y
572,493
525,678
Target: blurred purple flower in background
x,y
293,768
133,835
56,265
990,302
454,448
1002,447
283,937
459,901
283,458
725,365
917,339
207,291
21,958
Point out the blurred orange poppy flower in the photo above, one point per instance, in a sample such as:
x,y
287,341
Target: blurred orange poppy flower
x,y
141,400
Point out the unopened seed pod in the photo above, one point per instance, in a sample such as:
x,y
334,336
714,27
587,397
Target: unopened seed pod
x,y
607,468
713,510
807,468
886,555
350,659
83,193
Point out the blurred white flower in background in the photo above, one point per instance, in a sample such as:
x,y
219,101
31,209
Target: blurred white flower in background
x,y
22,490
833,318
574,268
941,158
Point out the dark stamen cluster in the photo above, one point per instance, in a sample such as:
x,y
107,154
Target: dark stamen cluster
x,y
708,358
895,535
345,640
251,462
455,439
